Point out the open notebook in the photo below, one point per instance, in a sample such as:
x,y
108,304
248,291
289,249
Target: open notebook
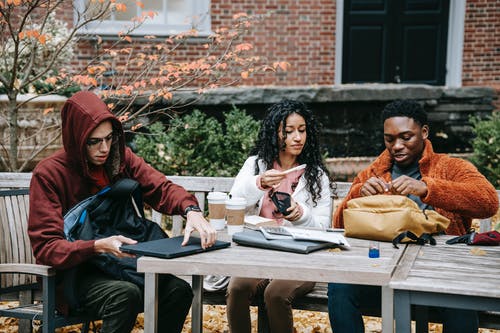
x,y
283,232
171,247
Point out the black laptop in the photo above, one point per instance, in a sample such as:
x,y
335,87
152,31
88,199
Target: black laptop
x,y
257,239
171,247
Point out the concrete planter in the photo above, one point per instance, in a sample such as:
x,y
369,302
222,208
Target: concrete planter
x,y
36,128
346,168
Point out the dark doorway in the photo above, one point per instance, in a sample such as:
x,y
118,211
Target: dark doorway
x,y
398,41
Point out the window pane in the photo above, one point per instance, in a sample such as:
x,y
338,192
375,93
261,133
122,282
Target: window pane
x,y
179,12
95,7
156,6
129,14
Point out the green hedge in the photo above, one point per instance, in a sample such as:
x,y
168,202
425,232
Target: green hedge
x,y
198,145
486,145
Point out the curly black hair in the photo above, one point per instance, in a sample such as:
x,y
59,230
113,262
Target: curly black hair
x,y
268,145
405,108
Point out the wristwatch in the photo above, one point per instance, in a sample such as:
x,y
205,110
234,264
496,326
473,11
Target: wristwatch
x,y
191,208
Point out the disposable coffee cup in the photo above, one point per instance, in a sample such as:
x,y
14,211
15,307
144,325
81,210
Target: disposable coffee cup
x,y
235,214
217,209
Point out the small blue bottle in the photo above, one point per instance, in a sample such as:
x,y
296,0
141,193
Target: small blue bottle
x,y
373,250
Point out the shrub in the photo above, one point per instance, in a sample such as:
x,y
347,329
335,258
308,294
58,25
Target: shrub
x,y
486,145
198,145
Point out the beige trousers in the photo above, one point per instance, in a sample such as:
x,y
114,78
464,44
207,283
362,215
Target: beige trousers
x,y
278,296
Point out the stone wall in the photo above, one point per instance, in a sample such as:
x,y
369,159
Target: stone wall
x,y
350,114
38,123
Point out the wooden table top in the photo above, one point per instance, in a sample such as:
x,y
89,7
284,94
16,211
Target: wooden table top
x,y
347,266
453,269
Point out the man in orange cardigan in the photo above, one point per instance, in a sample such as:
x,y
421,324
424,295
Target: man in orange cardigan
x,y
408,166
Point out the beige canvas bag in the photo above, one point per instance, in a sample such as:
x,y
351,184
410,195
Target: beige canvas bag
x,y
393,218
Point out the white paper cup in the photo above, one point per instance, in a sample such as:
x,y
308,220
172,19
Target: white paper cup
x,y
218,224
235,214
217,209
232,229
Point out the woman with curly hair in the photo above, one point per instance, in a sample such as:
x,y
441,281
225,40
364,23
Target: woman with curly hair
x,y
288,138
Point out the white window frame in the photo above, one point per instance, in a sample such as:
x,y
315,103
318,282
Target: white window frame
x,y
455,43
200,10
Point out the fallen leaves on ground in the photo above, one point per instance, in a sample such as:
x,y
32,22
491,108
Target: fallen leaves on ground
x,y
214,321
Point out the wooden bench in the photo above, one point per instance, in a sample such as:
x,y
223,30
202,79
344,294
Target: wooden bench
x,y
18,271
316,300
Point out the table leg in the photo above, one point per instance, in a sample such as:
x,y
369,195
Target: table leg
x,y
197,307
387,310
150,302
402,311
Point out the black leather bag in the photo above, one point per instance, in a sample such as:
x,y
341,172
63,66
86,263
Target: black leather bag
x,y
116,211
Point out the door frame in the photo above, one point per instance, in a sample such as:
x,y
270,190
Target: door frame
x,y
454,51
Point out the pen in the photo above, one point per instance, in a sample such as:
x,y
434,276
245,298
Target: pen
x,y
299,167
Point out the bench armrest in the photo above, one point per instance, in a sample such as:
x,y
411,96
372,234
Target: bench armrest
x,y
41,270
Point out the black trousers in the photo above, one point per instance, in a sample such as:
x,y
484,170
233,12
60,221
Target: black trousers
x,y
118,302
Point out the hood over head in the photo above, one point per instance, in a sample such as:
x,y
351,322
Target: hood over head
x,y
80,115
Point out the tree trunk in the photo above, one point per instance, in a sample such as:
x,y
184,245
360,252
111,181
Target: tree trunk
x,y
12,161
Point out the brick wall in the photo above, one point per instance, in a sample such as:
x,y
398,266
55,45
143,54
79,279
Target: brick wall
x,y
481,57
303,34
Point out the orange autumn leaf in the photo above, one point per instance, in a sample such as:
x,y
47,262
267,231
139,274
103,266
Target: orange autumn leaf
x,y
111,106
42,39
239,15
243,47
84,80
124,117
121,7
281,64
151,14
47,110
51,80
135,127
140,4
167,95
244,74
128,39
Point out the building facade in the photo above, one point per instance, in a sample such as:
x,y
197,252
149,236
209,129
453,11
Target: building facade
x,y
347,58
450,43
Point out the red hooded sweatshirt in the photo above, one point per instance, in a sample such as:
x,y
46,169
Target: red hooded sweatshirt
x,y
62,180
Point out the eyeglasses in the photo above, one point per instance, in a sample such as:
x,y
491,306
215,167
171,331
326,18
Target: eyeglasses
x,y
95,142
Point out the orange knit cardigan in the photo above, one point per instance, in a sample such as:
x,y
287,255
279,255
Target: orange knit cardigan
x,y
456,189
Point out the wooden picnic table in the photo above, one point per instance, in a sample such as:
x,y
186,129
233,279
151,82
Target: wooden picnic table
x,y
346,266
453,276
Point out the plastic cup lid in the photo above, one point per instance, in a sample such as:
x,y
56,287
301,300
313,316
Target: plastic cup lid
x,y
236,201
217,196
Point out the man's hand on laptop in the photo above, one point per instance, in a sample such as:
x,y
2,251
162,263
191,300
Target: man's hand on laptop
x,y
196,221
112,245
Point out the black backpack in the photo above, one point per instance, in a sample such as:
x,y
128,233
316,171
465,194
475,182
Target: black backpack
x,y
115,210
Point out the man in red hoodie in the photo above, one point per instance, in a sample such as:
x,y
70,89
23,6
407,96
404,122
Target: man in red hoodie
x,y
94,156
408,166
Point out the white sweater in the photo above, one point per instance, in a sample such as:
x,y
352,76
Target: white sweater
x,y
319,216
